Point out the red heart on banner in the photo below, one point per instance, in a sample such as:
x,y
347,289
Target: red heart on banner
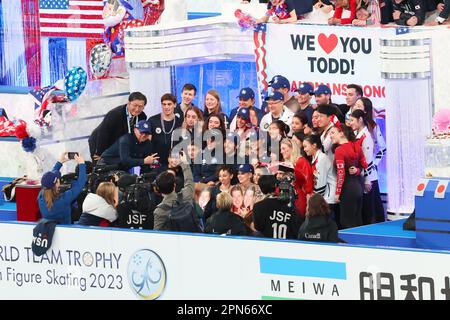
x,y
328,43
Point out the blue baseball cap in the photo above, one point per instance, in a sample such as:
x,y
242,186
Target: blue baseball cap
x,y
279,82
246,168
49,179
144,126
275,96
305,88
246,93
244,113
322,89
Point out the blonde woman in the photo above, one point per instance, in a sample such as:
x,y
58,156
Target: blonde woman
x,y
214,106
99,209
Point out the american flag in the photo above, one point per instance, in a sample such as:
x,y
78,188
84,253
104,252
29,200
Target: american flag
x,y
259,37
69,18
38,94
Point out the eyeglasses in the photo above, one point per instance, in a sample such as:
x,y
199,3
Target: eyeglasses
x,y
137,105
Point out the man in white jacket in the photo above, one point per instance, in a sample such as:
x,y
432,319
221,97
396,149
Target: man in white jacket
x,y
277,111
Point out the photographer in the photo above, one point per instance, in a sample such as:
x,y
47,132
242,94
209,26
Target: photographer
x,y
137,202
53,204
131,150
272,217
165,183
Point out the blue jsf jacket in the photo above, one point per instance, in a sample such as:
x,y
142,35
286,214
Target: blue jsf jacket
x,y
61,210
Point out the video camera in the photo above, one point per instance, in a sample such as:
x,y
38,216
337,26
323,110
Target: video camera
x,y
285,185
138,201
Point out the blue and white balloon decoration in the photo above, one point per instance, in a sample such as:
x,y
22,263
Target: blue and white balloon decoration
x,y
75,82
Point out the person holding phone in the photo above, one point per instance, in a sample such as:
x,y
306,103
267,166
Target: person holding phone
x,y
132,150
56,205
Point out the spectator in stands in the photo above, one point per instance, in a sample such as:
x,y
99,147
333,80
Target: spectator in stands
x,y
372,208
162,126
99,209
165,183
305,92
277,111
188,93
272,217
281,11
323,96
225,221
318,225
408,12
214,106
56,205
132,150
349,161
444,12
380,144
340,6
117,122
353,93
246,101
282,85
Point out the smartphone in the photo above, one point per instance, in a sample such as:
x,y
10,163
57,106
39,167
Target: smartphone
x,y
71,155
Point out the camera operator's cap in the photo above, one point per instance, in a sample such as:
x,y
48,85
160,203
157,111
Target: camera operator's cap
x,y
275,96
246,93
279,82
144,126
322,89
305,88
244,113
49,179
246,168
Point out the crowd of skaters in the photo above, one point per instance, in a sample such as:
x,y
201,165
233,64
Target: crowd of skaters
x,y
231,165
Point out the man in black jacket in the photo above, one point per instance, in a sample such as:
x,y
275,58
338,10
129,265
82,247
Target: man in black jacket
x,y
408,12
117,122
132,149
272,217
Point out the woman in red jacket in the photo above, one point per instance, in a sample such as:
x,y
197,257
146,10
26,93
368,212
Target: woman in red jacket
x,y
351,5
348,157
304,179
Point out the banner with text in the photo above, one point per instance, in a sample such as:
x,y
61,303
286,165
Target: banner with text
x,y
93,263
336,56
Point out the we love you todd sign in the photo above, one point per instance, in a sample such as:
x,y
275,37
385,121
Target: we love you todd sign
x,y
336,56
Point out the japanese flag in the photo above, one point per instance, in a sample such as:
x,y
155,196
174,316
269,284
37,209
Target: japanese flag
x,y
420,189
440,189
